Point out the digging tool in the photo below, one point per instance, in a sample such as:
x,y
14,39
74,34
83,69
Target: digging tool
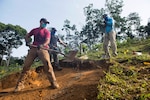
x,y
71,55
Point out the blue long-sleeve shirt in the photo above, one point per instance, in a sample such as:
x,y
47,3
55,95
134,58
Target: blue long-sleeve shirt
x,y
109,24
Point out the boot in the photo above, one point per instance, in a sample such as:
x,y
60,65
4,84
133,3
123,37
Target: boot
x,y
19,87
105,56
57,66
20,83
54,85
115,54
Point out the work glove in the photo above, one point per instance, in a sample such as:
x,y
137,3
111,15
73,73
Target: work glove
x,y
65,45
105,22
57,50
40,46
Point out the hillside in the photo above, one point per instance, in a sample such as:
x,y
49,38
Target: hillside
x,y
74,84
126,77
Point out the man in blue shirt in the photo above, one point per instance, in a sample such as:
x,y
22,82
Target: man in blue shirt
x,y
53,45
110,37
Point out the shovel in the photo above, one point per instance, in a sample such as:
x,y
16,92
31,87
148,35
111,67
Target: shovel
x,y
71,55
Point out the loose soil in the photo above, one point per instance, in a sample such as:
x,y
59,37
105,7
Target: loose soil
x,y
78,81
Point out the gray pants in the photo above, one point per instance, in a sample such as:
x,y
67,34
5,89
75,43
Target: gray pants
x,y
110,40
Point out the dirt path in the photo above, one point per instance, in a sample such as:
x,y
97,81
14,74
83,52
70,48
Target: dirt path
x,y
74,85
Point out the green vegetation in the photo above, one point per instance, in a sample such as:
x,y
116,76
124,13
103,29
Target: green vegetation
x,y
129,76
13,68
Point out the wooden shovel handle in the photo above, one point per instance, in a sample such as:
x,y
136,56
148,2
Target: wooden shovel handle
x,y
47,49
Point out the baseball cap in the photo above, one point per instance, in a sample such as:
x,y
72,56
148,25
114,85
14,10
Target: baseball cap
x,y
44,20
53,28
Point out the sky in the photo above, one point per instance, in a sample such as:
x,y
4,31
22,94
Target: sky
x,y
27,13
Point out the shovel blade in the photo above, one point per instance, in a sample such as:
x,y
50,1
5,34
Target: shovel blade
x,y
71,56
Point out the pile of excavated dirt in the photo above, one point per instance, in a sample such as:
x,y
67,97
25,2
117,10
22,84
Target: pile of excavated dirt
x,y
78,81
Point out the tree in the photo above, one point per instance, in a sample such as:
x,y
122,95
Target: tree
x,y
147,29
72,34
133,22
126,27
142,32
10,37
93,29
114,9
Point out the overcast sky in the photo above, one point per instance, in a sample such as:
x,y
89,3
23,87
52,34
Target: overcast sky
x,y
27,13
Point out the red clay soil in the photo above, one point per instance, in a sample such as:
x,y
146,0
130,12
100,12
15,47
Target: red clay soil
x,y
74,84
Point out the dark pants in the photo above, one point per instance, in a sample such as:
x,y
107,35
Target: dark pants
x,y
54,57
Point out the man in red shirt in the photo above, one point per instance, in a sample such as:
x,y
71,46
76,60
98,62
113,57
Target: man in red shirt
x,y
41,40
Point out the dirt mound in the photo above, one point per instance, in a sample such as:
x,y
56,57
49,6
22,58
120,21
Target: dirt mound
x,y
74,84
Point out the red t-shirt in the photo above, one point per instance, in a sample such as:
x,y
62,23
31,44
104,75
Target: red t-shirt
x,y
40,35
